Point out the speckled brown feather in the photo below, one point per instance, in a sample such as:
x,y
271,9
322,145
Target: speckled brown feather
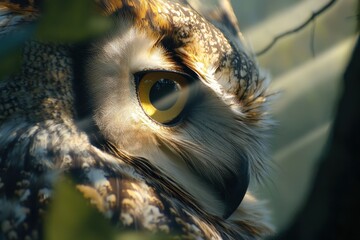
x,y
39,138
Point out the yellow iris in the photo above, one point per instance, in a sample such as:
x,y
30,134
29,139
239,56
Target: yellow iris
x,y
163,95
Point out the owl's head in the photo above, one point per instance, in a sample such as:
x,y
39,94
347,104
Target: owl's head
x,y
168,86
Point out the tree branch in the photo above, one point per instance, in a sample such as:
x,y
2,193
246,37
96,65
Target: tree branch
x,y
294,30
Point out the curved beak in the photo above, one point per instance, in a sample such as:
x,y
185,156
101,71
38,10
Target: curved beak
x,y
234,190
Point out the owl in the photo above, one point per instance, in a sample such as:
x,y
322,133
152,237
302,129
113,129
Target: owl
x,y
161,122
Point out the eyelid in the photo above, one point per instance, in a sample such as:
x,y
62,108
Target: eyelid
x,y
140,74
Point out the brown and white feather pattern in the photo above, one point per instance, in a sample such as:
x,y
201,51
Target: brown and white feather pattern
x,y
40,139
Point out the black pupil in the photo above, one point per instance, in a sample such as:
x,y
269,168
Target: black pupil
x,y
164,93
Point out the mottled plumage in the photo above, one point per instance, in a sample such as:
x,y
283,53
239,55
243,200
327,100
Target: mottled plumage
x,y
186,178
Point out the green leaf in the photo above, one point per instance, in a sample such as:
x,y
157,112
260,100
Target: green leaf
x,y
10,63
10,49
72,218
71,21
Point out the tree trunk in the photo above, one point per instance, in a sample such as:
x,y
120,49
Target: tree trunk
x,y
332,210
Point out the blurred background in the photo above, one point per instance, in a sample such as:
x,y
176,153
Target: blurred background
x,y
307,67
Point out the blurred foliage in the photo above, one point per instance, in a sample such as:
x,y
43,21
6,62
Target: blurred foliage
x,y
10,50
72,217
9,63
61,21
71,21
141,236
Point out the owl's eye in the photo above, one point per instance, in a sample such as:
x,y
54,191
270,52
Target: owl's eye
x,y
163,95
